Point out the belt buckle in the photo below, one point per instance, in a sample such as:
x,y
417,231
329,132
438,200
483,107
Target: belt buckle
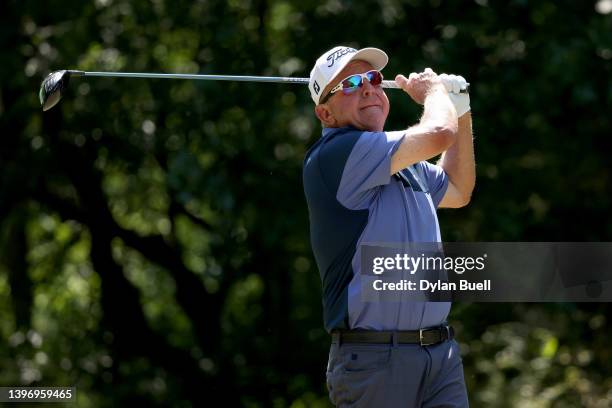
x,y
421,342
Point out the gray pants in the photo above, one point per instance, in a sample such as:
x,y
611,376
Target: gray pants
x,y
404,375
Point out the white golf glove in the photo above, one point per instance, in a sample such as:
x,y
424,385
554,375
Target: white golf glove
x,y
454,84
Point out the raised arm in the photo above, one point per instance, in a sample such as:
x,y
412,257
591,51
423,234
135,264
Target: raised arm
x,y
437,129
458,163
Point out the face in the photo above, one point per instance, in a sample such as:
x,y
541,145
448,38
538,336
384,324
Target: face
x,y
365,109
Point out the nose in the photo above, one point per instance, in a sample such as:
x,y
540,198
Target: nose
x,y
366,88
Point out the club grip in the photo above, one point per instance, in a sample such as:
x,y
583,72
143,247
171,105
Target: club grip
x,y
389,84
394,85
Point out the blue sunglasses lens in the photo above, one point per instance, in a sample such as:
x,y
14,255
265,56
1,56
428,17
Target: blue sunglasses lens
x,y
352,83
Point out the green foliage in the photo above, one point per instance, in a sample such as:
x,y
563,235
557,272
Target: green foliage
x,y
154,236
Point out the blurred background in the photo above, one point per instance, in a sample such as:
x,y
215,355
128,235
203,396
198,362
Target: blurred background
x,y
154,246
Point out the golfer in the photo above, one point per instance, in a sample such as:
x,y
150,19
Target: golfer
x,y
365,184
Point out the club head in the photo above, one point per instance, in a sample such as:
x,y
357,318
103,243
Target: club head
x,y
52,87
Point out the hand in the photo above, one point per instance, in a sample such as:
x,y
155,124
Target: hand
x,y
454,84
418,86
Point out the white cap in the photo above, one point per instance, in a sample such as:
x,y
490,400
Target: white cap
x,y
333,61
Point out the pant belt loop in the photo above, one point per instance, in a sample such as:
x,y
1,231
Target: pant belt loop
x,y
395,370
394,340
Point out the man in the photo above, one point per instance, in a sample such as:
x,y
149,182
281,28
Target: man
x,y
363,184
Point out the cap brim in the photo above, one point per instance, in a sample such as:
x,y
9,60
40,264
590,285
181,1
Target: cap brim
x,y
376,57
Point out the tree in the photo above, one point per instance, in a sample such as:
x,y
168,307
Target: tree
x,y
154,233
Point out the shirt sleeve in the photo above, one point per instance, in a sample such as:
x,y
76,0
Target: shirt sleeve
x,y
367,168
436,179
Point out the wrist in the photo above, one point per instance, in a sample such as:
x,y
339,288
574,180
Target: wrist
x,y
436,88
435,91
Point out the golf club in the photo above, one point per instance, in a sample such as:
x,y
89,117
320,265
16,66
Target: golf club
x,y
54,85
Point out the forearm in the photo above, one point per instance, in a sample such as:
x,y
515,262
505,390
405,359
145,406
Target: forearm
x,y
438,110
436,132
458,161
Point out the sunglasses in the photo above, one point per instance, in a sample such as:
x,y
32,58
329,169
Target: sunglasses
x,y
353,82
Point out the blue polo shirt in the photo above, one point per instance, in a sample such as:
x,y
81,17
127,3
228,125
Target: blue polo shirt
x,y
353,199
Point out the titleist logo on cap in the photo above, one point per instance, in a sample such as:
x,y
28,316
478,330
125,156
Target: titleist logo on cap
x,y
334,56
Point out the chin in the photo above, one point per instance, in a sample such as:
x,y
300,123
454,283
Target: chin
x,y
376,125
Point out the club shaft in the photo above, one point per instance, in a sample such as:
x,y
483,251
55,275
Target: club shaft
x,y
241,78
198,76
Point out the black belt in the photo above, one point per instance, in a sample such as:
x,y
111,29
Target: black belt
x,y
424,337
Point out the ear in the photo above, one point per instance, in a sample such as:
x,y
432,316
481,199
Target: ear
x,y
325,115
